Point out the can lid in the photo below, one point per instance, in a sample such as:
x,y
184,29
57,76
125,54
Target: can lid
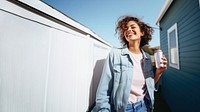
x,y
159,50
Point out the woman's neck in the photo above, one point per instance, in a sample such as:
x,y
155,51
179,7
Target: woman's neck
x,y
134,47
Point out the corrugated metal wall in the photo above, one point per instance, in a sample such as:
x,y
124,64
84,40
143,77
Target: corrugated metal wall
x,y
180,88
48,62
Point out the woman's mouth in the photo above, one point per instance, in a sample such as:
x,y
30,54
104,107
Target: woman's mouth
x,y
132,34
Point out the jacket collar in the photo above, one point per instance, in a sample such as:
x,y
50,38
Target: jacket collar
x,y
125,51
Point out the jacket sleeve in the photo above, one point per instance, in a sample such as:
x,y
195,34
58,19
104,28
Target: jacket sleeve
x,y
153,69
104,90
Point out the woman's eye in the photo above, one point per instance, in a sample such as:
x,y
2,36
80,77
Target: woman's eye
x,y
132,27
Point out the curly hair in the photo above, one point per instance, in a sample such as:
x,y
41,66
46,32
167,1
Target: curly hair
x,y
121,27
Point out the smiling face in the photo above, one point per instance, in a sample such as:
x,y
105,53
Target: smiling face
x,y
133,32
131,29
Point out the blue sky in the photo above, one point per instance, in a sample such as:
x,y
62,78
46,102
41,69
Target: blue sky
x,y
101,15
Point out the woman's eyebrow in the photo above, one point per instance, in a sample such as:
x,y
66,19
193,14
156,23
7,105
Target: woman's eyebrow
x,y
132,25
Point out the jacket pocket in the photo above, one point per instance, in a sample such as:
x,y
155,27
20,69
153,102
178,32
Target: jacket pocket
x,y
119,73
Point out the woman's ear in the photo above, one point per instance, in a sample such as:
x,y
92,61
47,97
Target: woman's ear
x,y
142,33
125,35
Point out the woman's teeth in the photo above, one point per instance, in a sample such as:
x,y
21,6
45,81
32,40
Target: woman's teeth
x,y
131,34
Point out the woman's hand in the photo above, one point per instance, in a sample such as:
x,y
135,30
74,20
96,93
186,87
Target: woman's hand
x,y
164,67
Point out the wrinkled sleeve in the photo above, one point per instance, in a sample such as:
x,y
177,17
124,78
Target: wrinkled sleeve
x,y
159,81
105,87
156,85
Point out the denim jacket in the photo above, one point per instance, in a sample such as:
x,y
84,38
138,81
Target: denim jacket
x,y
115,83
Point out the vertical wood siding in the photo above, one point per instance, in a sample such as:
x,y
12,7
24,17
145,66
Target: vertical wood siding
x,y
48,63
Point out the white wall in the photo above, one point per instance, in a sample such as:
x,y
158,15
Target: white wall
x,y
46,66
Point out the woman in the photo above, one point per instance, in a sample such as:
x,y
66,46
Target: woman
x,y
128,82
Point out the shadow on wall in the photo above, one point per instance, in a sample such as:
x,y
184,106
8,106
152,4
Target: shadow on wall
x,y
97,72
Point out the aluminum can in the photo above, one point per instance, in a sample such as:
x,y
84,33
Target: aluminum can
x,y
158,58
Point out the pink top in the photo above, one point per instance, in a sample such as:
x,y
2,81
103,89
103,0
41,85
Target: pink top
x,y
138,88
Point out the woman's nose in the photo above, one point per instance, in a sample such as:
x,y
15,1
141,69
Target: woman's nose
x,y
129,28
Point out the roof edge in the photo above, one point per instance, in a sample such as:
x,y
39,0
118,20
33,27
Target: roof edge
x,y
163,11
54,13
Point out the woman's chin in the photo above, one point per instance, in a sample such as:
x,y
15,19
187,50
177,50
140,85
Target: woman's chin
x,y
134,38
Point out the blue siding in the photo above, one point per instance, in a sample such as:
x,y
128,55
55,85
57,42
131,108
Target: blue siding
x,y
181,88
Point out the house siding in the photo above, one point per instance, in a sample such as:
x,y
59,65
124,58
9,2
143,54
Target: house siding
x,y
180,88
